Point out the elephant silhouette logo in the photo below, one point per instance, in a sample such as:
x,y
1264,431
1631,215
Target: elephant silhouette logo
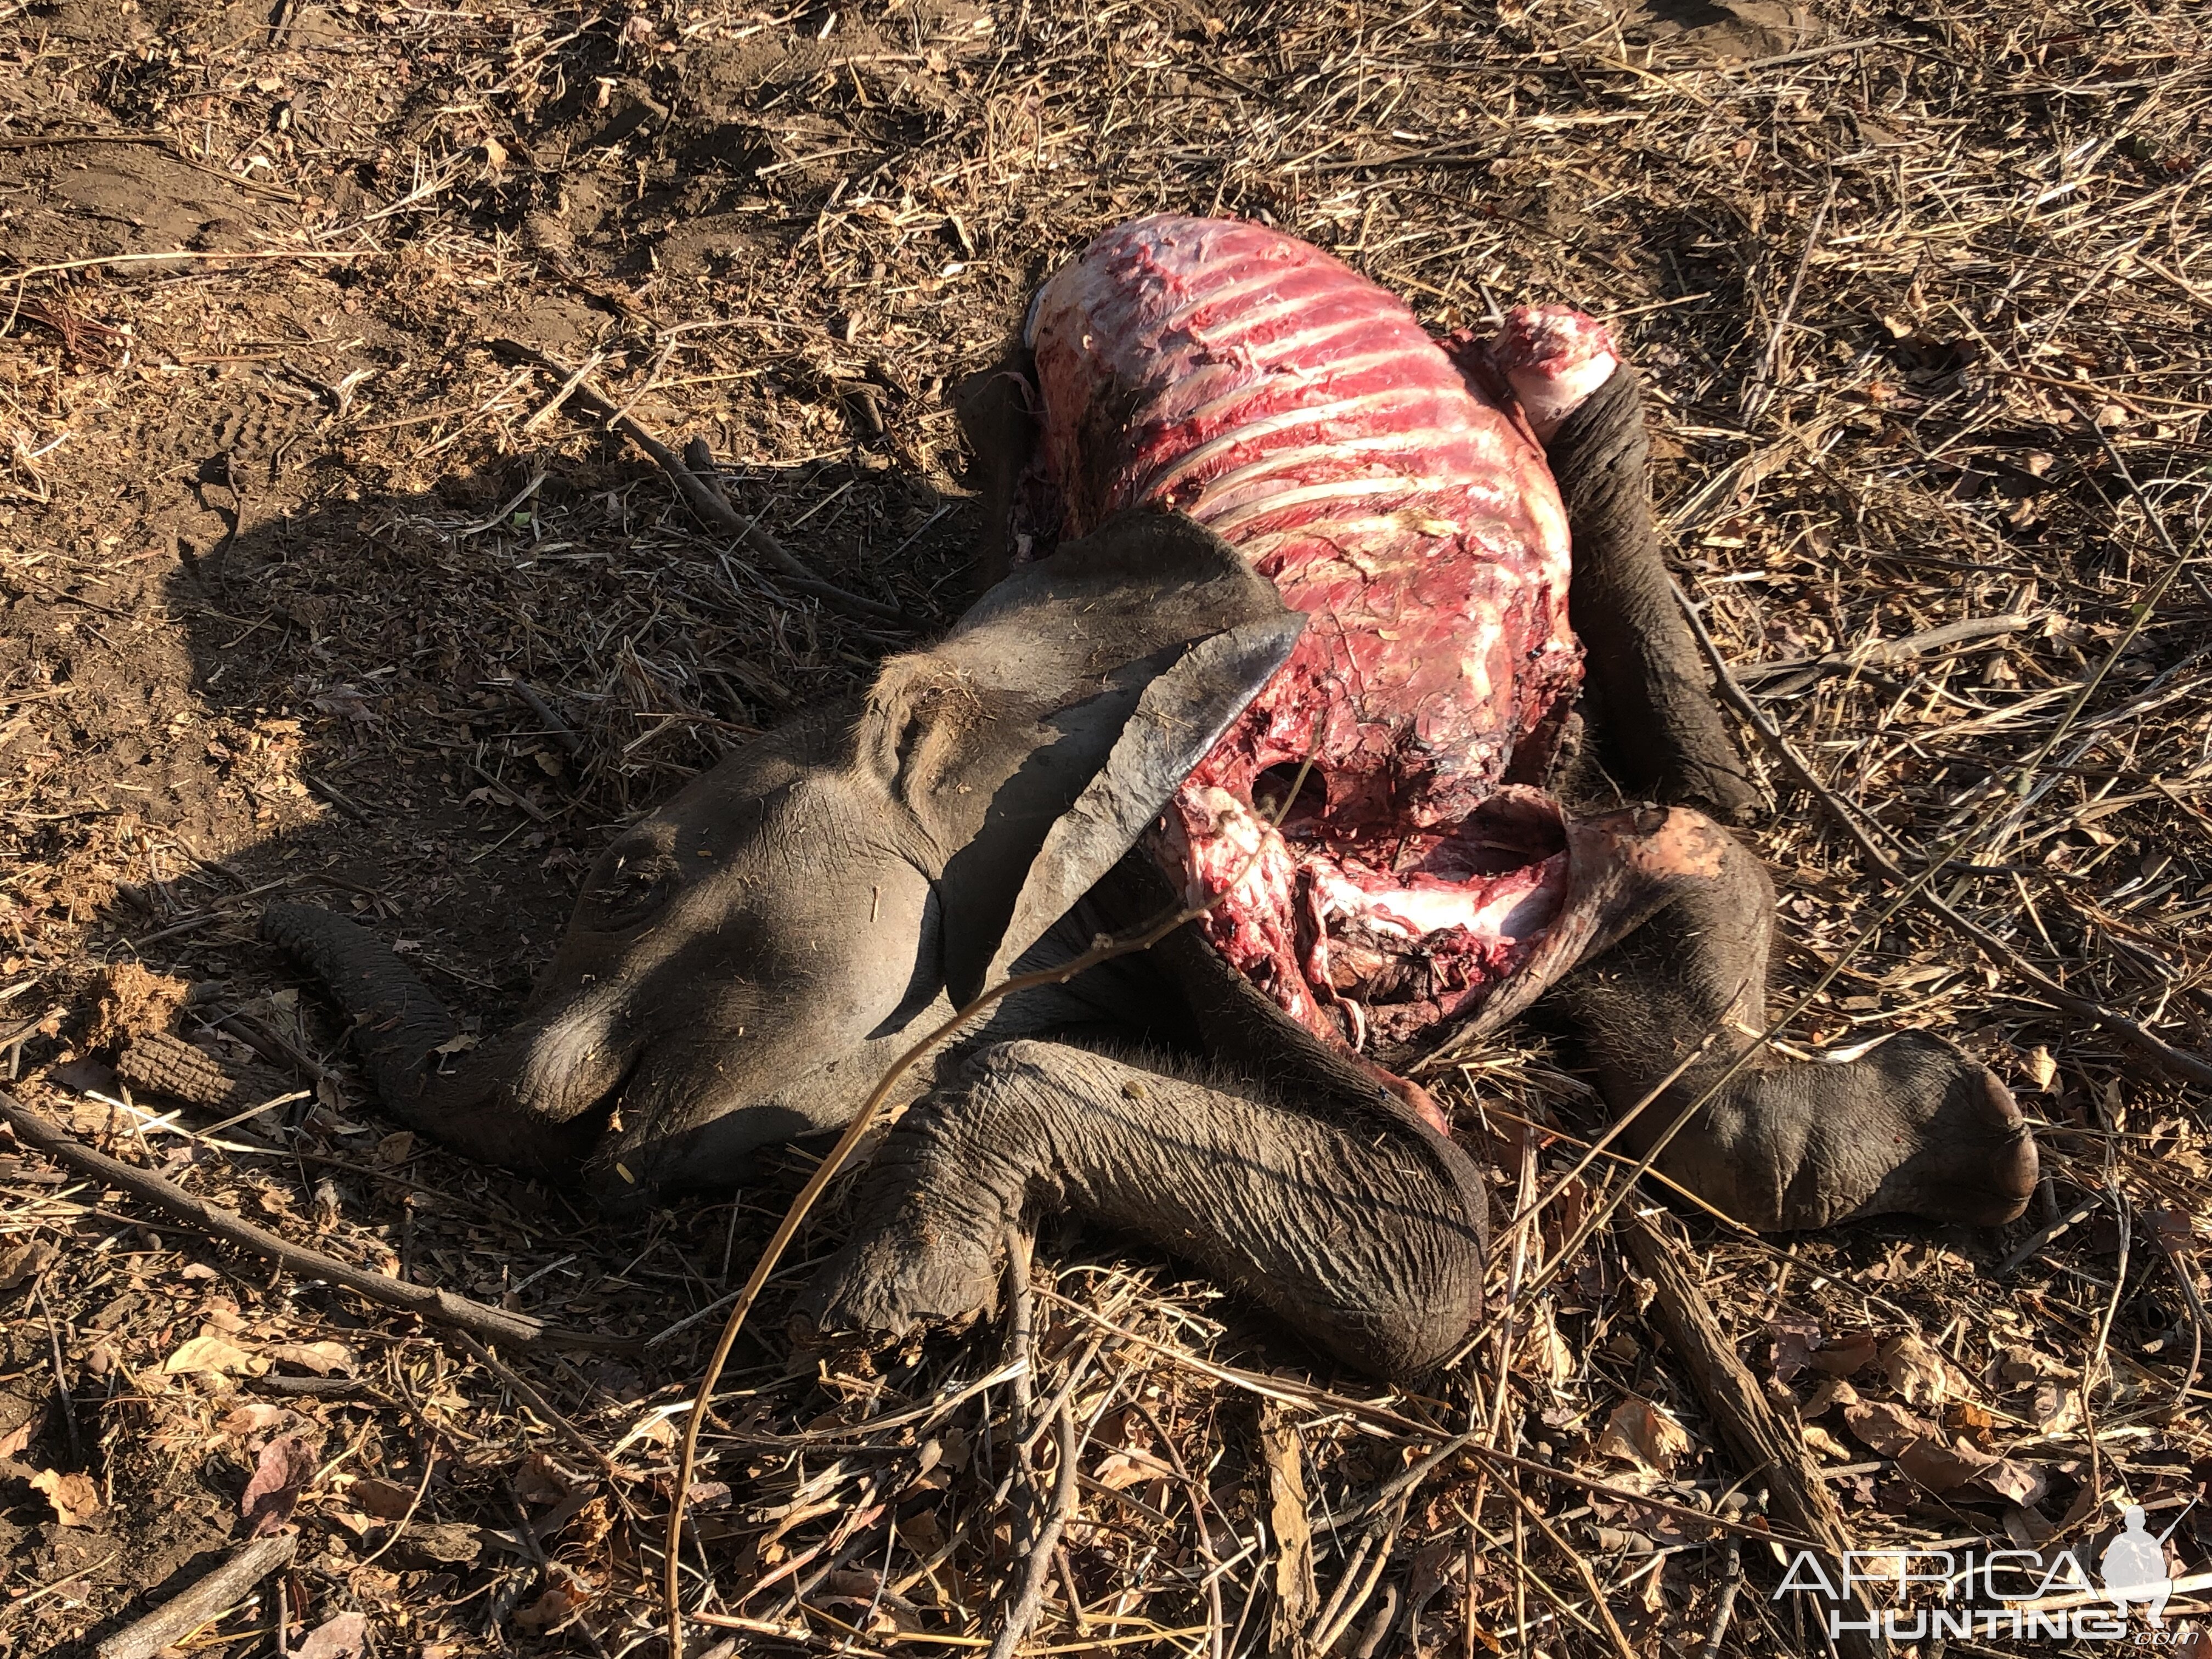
x,y
2134,1568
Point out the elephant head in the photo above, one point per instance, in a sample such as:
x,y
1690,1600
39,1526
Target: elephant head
x,y
744,961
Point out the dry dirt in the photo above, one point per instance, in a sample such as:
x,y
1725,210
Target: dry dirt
x,y
307,589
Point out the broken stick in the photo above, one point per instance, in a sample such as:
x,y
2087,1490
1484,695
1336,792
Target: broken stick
x,y
441,1307
1752,1431
203,1602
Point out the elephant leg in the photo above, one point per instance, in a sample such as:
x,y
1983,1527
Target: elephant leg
x,y
1647,699
1913,1127
1359,1225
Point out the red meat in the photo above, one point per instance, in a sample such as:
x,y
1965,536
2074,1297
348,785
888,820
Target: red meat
x,y
1395,492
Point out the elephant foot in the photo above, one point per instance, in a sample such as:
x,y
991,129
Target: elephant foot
x,y
1914,1127
934,1206
1963,1151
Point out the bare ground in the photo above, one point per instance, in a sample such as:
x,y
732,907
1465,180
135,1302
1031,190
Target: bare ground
x,y
284,541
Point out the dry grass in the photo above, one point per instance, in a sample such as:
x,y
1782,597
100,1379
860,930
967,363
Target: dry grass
x,y
278,535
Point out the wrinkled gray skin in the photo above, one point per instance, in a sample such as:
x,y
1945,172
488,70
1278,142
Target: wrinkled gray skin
x,y
746,961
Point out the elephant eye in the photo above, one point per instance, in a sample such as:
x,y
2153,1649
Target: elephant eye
x,y
635,888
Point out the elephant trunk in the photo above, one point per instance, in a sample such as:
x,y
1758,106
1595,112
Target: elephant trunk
x,y
401,1031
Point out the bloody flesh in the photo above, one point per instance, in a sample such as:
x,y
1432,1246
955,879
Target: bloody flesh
x,y
1394,492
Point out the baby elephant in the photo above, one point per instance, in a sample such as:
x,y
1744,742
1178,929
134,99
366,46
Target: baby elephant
x,y
1289,629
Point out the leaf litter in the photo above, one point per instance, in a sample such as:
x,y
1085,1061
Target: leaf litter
x,y
1908,295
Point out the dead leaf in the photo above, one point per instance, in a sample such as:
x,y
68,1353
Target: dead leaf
x,y
1917,1371
889,1613
1794,1340
1828,1391
2041,1066
548,1609
1639,1432
345,1636
450,1543
321,1358
921,1533
1819,1440
17,1440
540,1480
1940,1467
25,1259
1547,1349
2024,1483
396,1148
287,1465
2052,1409
212,1353
2172,1227
1845,1355
255,1417
75,1498
1970,1417
387,1500
2016,1363
2027,1528
1887,1429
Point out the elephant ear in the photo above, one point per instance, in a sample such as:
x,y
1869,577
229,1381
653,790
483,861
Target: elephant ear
x,y
1036,742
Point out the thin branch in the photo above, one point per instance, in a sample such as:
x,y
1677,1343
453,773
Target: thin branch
x,y
1034,1566
427,1301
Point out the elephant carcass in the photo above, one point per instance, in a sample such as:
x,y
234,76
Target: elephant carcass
x,y
1260,524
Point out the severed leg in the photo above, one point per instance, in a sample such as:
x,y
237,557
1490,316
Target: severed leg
x,y
1357,1223
1915,1126
1646,695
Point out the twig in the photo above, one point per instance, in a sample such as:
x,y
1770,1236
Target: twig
x,y
704,501
2186,1278
413,1503
1971,631
1019,1353
562,734
1749,1425
42,140
1613,1633
1379,1626
215,1594
1760,391
1724,1604
2041,1236
529,808
1469,1444
1345,1602
277,1050
61,1374
25,275
1022,1613
441,1307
